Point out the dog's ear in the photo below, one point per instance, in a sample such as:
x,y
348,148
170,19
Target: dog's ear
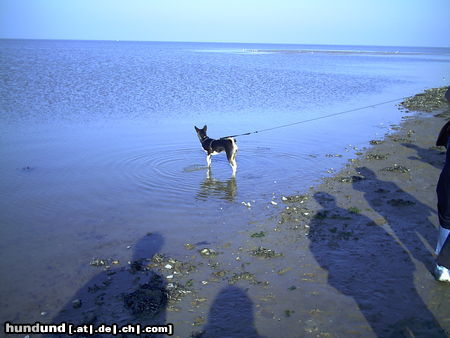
x,y
196,129
205,127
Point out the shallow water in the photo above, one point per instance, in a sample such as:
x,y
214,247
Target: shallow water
x,y
98,145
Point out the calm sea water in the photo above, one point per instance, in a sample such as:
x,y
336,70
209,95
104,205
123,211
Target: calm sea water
x,y
98,146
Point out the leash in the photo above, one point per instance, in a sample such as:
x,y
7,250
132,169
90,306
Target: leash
x,y
315,118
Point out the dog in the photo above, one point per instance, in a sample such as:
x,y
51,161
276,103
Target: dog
x,y
214,147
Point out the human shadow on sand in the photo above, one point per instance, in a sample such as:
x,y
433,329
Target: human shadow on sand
x,y
129,295
433,157
405,214
366,263
212,187
230,315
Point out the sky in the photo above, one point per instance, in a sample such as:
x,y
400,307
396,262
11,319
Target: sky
x,y
338,22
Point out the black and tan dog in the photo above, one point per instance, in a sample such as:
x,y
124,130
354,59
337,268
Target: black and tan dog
x,y
214,147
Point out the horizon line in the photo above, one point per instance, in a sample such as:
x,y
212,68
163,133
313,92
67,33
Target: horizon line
x,y
223,42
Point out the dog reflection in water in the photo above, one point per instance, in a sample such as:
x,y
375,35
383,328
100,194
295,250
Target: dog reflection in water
x,y
212,187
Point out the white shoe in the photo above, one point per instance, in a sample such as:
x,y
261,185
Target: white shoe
x,y
441,273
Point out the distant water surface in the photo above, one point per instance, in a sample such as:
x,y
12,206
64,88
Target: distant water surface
x,y
98,146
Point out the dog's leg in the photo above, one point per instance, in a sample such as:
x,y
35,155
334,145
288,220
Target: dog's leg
x,y
233,158
233,163
208,160
208,173
235,152
233,167
231,155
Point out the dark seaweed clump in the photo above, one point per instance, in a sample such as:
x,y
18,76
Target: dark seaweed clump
x,y
258,234
428,101
396,168
349,179
373,156
264,252
149,299
398,202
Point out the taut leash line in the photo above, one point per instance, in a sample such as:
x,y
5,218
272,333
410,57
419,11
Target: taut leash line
x,y
316,118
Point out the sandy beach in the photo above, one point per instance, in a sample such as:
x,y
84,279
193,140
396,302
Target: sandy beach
x,y
350,257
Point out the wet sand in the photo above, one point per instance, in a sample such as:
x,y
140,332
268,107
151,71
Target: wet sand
x,y
350,257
